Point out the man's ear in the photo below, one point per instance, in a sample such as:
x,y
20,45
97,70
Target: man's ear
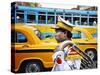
x,y
65,35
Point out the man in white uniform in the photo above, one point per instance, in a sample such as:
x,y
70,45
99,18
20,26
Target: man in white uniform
x,y
63,51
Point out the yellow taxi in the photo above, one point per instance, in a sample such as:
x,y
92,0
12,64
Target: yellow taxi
x,y
28,52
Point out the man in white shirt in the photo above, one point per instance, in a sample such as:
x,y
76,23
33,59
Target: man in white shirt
x,y
64,36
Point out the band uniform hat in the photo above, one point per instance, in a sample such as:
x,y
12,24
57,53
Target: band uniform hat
x,y
64,24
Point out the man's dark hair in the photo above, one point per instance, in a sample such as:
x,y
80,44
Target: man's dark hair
x,y
68,34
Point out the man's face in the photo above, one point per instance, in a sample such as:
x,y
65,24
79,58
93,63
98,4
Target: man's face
x,y
60,36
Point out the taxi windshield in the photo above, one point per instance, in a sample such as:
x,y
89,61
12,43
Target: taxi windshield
x,y
44,35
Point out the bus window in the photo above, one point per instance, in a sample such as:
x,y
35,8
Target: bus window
x,y
69,19
51,19
76,20
20,16
84,21
92,21
42,17
31,18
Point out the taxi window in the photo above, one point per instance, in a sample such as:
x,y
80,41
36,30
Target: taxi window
x,y
78,35
21,38
94,35
18,37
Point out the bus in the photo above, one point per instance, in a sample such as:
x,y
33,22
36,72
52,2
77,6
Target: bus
x,y
48,16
